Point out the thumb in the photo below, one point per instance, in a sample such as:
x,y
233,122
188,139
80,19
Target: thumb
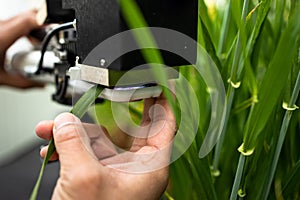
x,y
71,141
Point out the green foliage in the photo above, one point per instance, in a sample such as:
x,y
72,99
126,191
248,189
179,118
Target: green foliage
x,y
256,47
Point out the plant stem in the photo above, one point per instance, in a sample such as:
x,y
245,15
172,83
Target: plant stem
x,y
238,177
230,96
241,163
283,130
231,90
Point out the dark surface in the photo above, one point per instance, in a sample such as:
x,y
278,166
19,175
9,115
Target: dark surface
x,y
58,15
18,177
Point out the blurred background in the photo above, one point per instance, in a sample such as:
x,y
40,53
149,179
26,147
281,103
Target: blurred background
x,y
20,111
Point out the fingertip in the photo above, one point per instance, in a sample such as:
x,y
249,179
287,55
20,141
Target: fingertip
x,y
43,153
63,119
44,129
65,115
42,124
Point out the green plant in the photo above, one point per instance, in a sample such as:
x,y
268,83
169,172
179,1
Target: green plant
x,y
256,156
255,45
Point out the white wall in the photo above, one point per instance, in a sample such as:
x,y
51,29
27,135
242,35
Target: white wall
x,y
21,110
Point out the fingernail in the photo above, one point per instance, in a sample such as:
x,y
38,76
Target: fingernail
x,y
64,119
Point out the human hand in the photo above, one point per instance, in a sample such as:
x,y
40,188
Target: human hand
x,y
11,30
91,166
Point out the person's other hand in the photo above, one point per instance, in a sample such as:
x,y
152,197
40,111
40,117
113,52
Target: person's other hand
x,y
11,30
92,168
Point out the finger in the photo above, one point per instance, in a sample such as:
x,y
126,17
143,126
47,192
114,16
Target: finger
x,y
146,160
43,153
72,142
142,134
164,106
44,129
95,131
17,27
18,81
100,141
163,125
146,118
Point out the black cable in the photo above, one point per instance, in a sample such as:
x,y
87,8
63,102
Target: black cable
x,y
47,40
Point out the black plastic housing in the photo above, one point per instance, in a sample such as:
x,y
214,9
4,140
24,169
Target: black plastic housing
x,y
56,13
98,20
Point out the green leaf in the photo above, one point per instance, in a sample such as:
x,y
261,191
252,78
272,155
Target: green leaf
x,y
292,180
276,75
259,21
51,150
79,109
135,20
83,104
210,48
224,32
